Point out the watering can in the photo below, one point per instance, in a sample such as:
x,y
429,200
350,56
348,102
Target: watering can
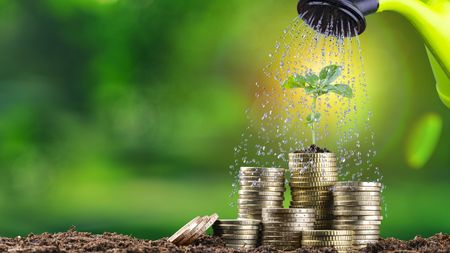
x,y
430,17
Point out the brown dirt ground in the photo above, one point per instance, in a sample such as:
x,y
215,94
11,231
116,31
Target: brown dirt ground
x,y
73,241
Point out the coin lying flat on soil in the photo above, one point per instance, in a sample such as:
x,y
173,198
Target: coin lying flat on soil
x,y
193,230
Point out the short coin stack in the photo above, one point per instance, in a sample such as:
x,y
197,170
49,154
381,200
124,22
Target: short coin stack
x,y
260,188
193,230
238,233
312,176
341,240
357,207
282,227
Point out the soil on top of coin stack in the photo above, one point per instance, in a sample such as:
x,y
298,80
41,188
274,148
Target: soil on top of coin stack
x,y
313,149
73,241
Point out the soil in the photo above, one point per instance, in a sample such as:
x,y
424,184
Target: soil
x,y
73,241
313,149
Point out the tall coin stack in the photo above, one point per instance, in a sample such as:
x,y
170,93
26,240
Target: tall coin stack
x,y
238,233
282,227
357,207
341,240
312,176
259,188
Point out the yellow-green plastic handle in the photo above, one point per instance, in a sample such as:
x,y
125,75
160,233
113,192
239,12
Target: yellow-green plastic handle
x,y
432,20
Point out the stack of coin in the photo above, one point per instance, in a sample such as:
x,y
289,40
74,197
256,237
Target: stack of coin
x,y
193,230
238,233
357,207
341,240
282,227
312,176
259,188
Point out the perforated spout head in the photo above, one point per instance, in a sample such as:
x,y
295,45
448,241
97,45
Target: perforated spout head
x,y
343,18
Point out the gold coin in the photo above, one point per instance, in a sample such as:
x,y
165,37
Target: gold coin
x,y
327,232
281,234
317,243
300,221
175,238
351,194
237,222
312,198
237,227
357,184
311,184
239,237
288,229
367,232
328,237
359,218
286,219
356,198
286,225
353,213
292,215
326,203
299,169
357,208
356,203
313,167
262,169
316,175
194,231
302,195
309,161
271,193
241,242
261,183
371,218
288,210
289,224
288,215
249,212
271,197
248,201
357,222
249,205
366,237
220,232
307,180
287,236
341,188
356,228
357,242
256,187
248,216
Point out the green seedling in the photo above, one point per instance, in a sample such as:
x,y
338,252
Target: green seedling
x,y
316,86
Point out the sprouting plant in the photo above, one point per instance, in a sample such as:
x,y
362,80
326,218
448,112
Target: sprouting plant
x,y
316,86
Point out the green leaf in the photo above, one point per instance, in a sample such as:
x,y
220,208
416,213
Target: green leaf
x,y
301,80
312,79
313,117
330,73
295,81
310,90
342,90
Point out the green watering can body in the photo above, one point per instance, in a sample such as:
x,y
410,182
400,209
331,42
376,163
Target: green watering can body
x,y
432,19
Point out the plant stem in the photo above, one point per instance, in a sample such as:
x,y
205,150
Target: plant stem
x,y
313,130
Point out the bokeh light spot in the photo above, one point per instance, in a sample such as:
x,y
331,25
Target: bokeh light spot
x,y
422,140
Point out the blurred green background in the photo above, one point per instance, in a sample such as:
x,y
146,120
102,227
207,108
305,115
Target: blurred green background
x,y
122,115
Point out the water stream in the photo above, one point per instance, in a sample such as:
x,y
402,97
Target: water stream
x,y
276,120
